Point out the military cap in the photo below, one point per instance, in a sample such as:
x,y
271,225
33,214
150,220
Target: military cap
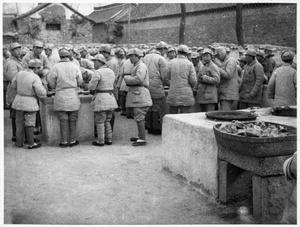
x,y
195,55
227,49
183,48
135,51
261,53
82,48
93,52
38,44
171,49
105,48
35,63
207,51
194,48
14,46
120,51
220,50
99,57
287,55
251,52
200,48
49,46
161,45
64,52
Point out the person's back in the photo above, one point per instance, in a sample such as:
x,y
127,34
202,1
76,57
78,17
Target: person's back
x,y
157,68
283,83
29,86
65,78
182,77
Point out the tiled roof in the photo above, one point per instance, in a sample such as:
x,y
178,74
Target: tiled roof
x,y
44,5
106,13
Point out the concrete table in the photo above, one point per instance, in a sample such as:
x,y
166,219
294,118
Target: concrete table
x,y
51,126
190,148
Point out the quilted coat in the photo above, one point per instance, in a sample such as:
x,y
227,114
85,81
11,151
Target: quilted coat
x,y
182,76
282,86
65,77
11,68
252,83
207,91
158,71
29,87
103,80
138,94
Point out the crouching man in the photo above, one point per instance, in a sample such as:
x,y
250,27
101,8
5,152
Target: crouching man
x,y
29,88
104,101
138,96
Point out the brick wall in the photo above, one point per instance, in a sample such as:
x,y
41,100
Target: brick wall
x,y
275,25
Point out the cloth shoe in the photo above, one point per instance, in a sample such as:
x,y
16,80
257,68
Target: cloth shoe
x,y
35,145
95,143
139,143
72,144
133,139
63,145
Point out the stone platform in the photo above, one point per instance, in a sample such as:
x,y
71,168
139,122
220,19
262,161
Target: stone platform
x,y
190,148
51,126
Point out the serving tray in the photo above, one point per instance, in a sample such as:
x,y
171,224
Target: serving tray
x,y
231,115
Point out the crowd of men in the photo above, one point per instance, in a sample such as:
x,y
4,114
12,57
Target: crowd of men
x,y
144,84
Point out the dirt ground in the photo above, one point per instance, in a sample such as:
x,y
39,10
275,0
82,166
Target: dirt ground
x,y
118,184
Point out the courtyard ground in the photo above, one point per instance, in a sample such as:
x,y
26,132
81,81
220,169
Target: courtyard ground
x,y
117,184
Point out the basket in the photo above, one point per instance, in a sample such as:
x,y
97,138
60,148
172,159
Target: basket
x,y
256,146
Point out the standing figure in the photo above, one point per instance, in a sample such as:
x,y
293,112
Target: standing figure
x,y
251,87
282,86
228,89
138,96
270,61
66,77
125,70
207,80
12,66
113,64
36,53
182,76
6,55
104,102
52,57
29,88
157,69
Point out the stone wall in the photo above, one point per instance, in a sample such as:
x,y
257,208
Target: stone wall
x,y
271,24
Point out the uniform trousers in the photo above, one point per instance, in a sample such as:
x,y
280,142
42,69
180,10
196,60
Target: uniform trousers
x,y
68,120
25,120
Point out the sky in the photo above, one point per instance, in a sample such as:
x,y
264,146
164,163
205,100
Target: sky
x,y
83,8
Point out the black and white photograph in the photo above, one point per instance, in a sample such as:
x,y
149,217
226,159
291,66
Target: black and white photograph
x,y
149,113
